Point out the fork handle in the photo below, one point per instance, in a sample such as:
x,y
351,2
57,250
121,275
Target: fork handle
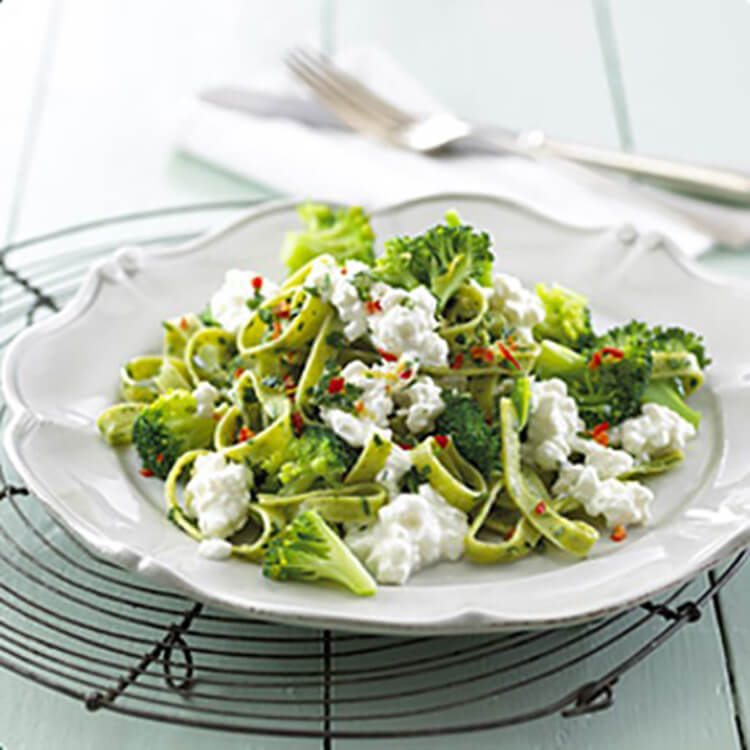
x,y
707,182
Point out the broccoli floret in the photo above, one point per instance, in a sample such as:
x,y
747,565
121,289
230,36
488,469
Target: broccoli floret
x,y
667,393
116,423
317,454
169,427
443,258
344,233
567,318
677,340
308,550
617,372
475,440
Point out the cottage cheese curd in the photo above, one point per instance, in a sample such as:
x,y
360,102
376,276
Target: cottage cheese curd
x,y
619,502
334,284
520,307
215,549
206,395
406,325
412,532
376,383
396,465
229,303
420,403
607,462
553,424
657,431
218,495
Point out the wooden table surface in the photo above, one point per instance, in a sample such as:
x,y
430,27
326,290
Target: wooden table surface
x,y
91,95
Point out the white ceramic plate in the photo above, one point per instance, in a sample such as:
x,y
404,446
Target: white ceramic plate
x,y
60,374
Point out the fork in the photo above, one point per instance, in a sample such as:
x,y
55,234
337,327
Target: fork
x,y
365,111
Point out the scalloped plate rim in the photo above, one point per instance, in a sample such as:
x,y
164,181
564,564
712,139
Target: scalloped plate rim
x,y
466,620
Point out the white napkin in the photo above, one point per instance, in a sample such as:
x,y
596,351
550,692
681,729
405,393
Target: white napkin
x,y
302,161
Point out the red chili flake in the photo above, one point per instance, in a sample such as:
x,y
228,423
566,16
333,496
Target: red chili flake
x,y
245,434
372,306
297,422
596,360
477,352
602,438
489,356
343,271
613,352
511,342
336,385
619,533
238,372
457,362
216,416
599,433
387,356
283,310
488,420
406,374
507,354
601,427
509,533
159,458
146,473
276,332
405,446
359,407
257,282
183,323
442,440
540,508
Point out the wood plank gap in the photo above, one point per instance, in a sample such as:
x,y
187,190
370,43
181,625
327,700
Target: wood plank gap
x,y
729,661
327,655
613,68
46,55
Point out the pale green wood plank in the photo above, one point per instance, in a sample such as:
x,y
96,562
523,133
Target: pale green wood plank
x,y
122,78
23,29
535,64
676,698
686,68
735,609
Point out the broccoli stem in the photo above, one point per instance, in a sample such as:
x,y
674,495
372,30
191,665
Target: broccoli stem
x,y
557,360
663,393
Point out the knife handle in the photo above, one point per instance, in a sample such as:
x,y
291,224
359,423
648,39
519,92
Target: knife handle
x,y
694,179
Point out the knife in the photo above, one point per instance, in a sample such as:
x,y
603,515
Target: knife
x,y
261,104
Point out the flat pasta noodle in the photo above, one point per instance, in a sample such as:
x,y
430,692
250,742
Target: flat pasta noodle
x,y
355,503
520,539
209,355
266,449
450,475
682,365
177,333
268,521
147,376
531,497
320,353
306,314
471,297
370,461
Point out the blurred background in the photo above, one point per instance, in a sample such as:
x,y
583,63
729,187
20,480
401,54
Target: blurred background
x,y
96,94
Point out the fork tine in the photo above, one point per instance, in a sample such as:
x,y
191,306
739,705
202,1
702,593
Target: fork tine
x,y
337,95
355,89
351,115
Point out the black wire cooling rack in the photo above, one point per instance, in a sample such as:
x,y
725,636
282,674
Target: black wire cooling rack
x,y
81,626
